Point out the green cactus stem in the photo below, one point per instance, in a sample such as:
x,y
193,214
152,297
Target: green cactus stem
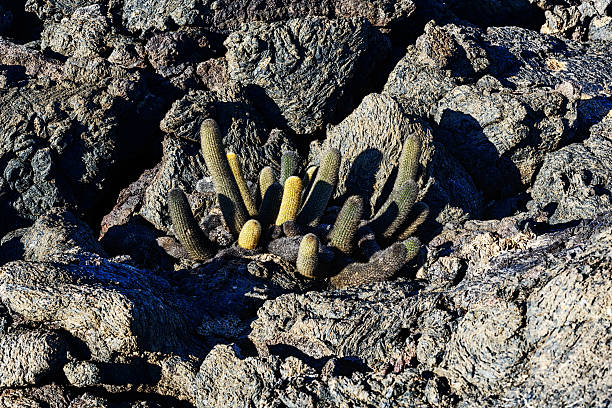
x,y
236,168
228,193
345,228
408,166
186,228
289,165
308,256
400,203
322,189
413,246
418,215
409,160
381,267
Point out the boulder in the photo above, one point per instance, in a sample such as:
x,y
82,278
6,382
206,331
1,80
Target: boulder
x,y
370,141
575,182
28,357
112,308
579,20
225,16
501,136
292,81
56,232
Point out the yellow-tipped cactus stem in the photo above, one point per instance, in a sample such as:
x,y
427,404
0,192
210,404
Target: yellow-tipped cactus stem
x,y
418,215
266,179
249,235
186,228
343,234
308,256
236,168
270,204
322,189
228,193
308,178
290,204
289,165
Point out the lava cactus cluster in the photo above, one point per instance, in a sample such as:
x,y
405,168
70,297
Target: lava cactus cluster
x,y
285,217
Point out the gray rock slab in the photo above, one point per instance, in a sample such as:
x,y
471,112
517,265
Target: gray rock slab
x,y
303,72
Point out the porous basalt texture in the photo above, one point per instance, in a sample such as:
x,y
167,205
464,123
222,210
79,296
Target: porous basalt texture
x,y
27,357
506,303
110,307
142,16
578,20
501,136
300,86
57,232
576,181
506,285
58,146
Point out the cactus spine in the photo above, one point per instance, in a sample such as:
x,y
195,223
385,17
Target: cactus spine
x,y
289,165
418,215
382,266
413,246
186,228
400,203
308,256
290,204
322,189
236,168
266,179
343,234
249,235
230,199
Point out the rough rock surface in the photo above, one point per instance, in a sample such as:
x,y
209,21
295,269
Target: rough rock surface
x,y
112,308
507,303
228,15
57,232
27,357
60,145
509,326
323,325
370,142
578,20
293,81
538,60
444,57
575,182
502,136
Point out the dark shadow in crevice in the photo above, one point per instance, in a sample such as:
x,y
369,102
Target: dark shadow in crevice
x,y
486,13
24,27
343,366
493,173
